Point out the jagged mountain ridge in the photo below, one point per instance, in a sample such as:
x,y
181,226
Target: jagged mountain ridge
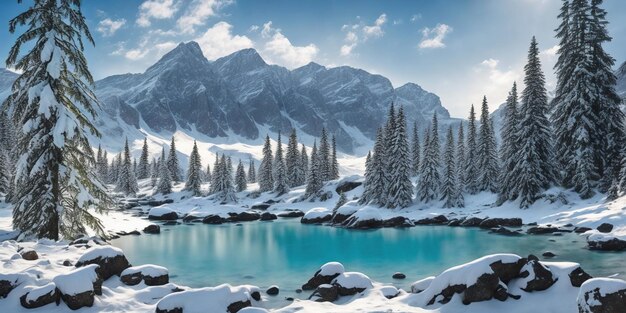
x,y
243,95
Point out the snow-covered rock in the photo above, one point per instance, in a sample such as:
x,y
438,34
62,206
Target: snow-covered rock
x,y
79,286
223,298
421,284
389,292
152,275
162,214
39,296
317,216
324,275
111,260
602,295
343,213
364,218
536,276
351,283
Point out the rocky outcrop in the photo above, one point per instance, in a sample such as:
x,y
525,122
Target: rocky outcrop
x,y
152,229
291,213
542,230
325,275
398,221
495,222
437,220
542,277
79,287
471,222
267,216
213,219
602,295
613,244
110,260
317,216
162,214
246,216
346,186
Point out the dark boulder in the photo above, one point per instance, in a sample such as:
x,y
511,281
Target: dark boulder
x,y
347,186
339,218
6,286
318,280
317,219
272,290
170,216
156,280
213,219
152,229
267,216
605,228
447,293
107,265
504,231
256,295
325,293
80,300
548,254
344,291
260,206
29,255
291,214
541,230
495,222
507,271
542,276
437,220
484,289
580,230
131,279
596,300
356,223
237,306
50,295
471,222
398,275
245,216
455,222
607,245
398,221
578,276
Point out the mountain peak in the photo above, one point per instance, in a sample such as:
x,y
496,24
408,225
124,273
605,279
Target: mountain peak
x,y
184,53
241,61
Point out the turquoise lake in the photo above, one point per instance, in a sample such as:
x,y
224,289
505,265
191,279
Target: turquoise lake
x,y
287,253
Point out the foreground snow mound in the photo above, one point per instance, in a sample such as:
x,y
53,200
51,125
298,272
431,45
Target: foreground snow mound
x,y
605,295
223,298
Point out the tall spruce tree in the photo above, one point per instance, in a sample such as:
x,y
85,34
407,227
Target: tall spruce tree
x,y
415,151
126,180
429,182
172,162
214,176
143,168
487,152
266,179
314,180
379,170
165,177
280,173
207,174
241,182
292,160
460,158
471,167
399,188
334,165
449,184
251,172
324,156
367,181
303,169
52,103
534,167
194,173
154,172
509,149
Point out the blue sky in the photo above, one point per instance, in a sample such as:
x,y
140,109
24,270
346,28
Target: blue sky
x,y
459,50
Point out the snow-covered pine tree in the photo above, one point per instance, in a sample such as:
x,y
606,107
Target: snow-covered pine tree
x,y
135,167
52,103
314,179
487,152
266,179
303,166
207,174
399,186
5,176
323,155
194,173
379,171
126,180
172,162
575,142
415,151
251,171
367,181
226,191
430,180
143,168
460,159
214,175
154,172
534,168
611,136
112,174
98,157
449,183
7,143
103,169
165,178
292,159
334,165
241,182
471,167
280,173
509,151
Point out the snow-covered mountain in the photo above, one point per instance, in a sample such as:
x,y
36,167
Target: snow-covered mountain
x,y
6,80
621,81
240,94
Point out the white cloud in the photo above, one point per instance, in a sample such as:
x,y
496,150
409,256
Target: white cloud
x,y
551,51
136,54
253,28
219,41
198,12
155,9
491,80
351,42
433,38
376,29
416,17
279,49
107,27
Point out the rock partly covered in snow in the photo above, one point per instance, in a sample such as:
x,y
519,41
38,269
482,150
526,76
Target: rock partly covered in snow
x,y
343,213
536,275
324,275
602,295
597,240
351,283
365,218
79,286
8,282
495,222
111,260
29,254
317,216
152,275
39,296
162,214
223,298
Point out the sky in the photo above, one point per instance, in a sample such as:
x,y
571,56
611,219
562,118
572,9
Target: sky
x,y
459,50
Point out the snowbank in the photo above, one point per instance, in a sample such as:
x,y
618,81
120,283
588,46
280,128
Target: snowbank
x,y
146,269
220,299
101,252
77,281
